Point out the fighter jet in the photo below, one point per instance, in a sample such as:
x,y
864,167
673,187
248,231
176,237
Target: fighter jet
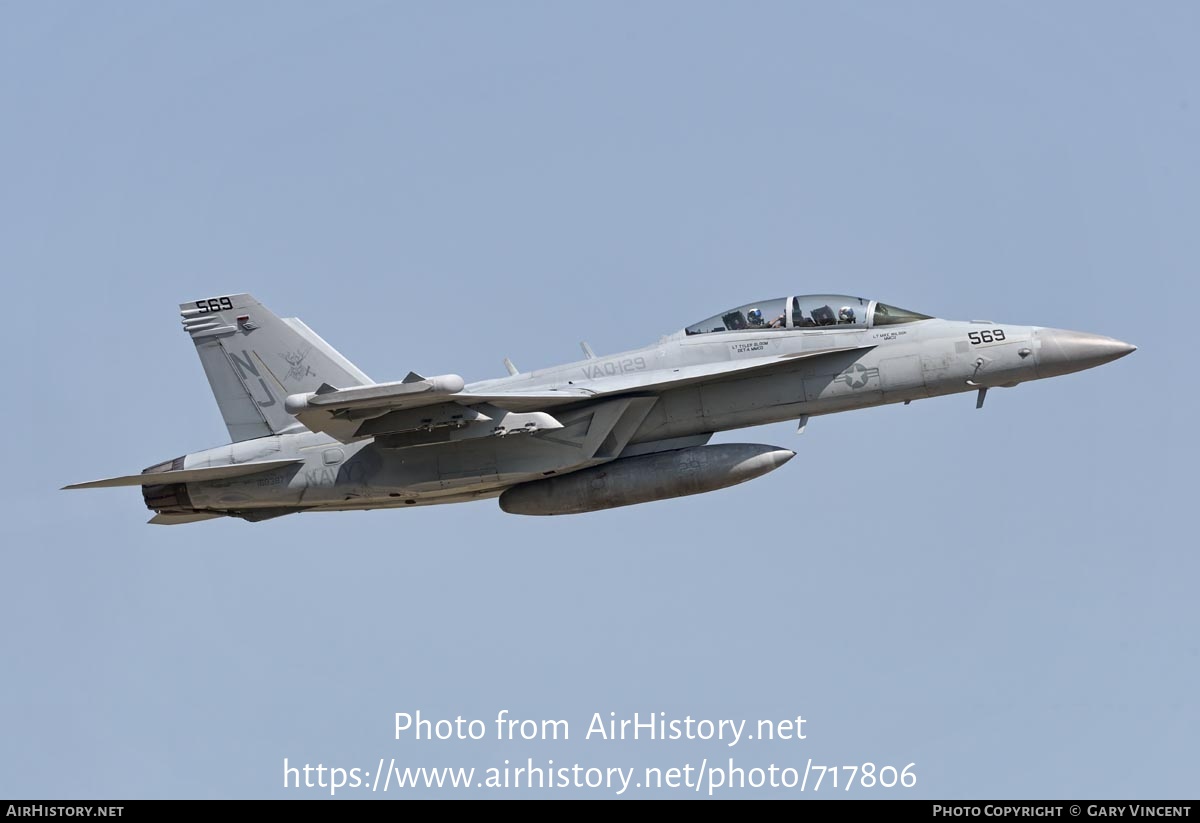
x,y
310,432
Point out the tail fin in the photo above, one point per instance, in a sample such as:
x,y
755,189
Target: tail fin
x,y
254,360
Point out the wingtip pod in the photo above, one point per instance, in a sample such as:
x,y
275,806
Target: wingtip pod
x,y
373,394
642,479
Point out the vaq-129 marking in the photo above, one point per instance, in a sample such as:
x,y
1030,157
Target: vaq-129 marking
x,y
311,432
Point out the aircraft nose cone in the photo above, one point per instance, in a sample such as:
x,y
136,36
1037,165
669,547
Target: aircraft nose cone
x,y
1063,352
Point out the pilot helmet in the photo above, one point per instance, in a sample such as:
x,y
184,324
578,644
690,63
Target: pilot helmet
x,y
755,316
845,315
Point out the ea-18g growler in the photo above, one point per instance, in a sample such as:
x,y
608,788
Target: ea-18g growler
x,y
310,432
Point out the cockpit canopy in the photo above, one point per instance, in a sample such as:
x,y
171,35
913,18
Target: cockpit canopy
x,y
808,311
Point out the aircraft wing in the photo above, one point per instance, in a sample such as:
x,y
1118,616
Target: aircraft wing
x,y
422,404
418,405
657,380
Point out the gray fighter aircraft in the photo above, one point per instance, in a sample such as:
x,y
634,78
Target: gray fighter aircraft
x,y
310,432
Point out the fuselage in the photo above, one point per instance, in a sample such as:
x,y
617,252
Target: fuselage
x,y
863,367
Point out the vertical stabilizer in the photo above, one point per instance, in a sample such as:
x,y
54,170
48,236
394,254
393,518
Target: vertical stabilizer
x,y
254,360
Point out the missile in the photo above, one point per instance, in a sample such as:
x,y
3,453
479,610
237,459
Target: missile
x,y
641,479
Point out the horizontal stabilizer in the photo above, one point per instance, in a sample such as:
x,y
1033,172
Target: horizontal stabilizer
x,y
186,475
179,519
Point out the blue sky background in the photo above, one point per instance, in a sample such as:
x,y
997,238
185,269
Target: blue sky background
x,y
1005,598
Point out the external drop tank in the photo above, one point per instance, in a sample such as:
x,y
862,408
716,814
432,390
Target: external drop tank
x,y
645,478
